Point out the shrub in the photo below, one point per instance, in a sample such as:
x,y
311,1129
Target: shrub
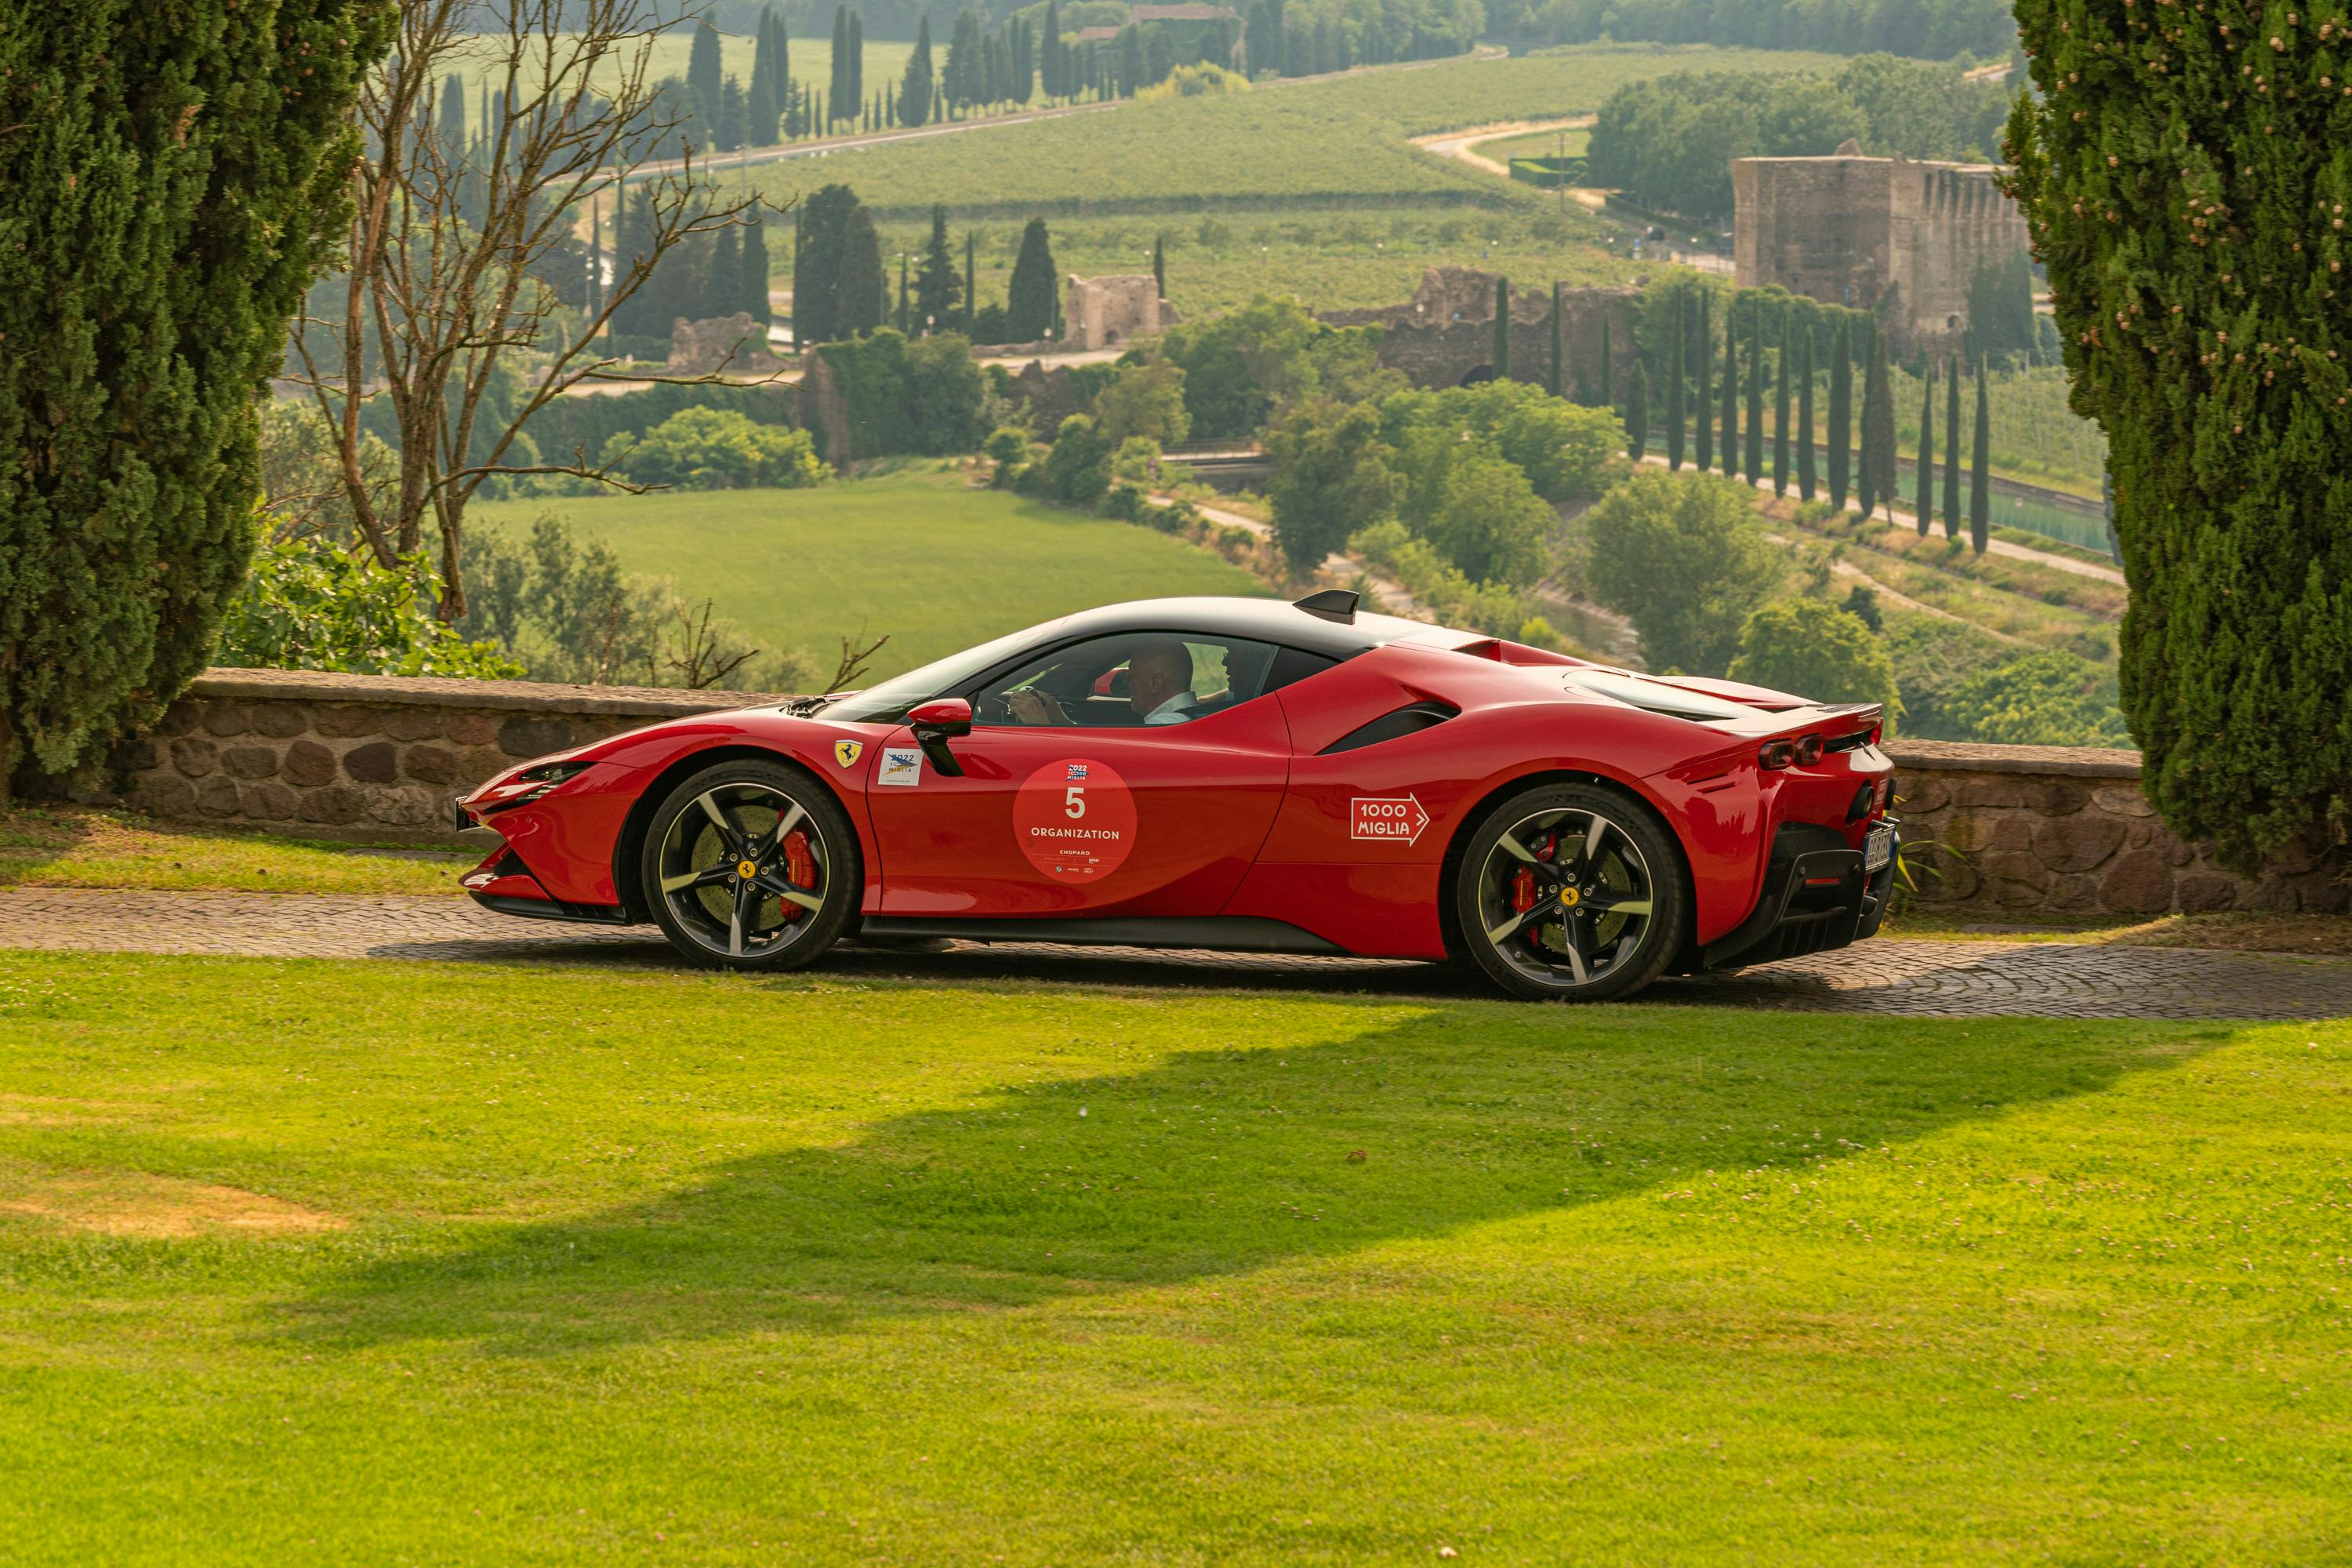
x,y
1683,555
1075,471
1144,400
1331,478
2047,698
944,392
704,449
307,604
1815,650
1567,452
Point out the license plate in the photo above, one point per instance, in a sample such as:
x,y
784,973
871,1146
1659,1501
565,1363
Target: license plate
x,y
1877,849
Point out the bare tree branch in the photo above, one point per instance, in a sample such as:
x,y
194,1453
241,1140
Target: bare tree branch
x,y
463,248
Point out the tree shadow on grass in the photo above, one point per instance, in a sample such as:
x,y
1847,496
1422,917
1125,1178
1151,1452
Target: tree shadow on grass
x,y
1221,1161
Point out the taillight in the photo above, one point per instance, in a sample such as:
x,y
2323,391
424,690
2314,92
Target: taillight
x,y
1808,749
1775,755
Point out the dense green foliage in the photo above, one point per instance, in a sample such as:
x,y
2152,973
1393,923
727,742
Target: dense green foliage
x,y
1567,453
1331,478
1817,650
1033,304
307,604
1669,141
838,287
1930,30
2186,184
170,177
583,425
1249,366
704,449
1683,556
2048,698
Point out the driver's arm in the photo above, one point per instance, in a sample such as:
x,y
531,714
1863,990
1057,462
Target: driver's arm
x,y
1031,706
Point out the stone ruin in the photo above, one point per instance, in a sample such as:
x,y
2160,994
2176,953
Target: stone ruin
x,y
735,342
1112,312
1444,335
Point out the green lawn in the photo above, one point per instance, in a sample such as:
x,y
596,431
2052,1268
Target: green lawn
x,y
1276,148
331,1263
937,565
74,846
811,63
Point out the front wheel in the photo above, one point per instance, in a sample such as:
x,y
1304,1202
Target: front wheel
x,y
751,865
1570,892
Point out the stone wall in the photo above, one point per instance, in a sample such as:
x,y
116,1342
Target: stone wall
x,y
2052,831
365,757
2038,831
1112,312
1446,330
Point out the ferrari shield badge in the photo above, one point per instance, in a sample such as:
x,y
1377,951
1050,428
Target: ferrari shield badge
x,y
846,752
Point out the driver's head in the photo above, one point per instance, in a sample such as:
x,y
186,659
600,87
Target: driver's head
x,y
1156,671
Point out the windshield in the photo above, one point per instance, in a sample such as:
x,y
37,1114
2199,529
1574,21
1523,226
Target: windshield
x,y
888,702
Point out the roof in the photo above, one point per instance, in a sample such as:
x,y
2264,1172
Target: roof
x,y
1263,620
1188,11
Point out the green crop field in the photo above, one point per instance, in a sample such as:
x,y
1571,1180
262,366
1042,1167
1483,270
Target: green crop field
x,y
314,1262
1320,143
918,555
1538,144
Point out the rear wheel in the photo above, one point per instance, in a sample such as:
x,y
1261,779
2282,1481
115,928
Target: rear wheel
x,y
1570,892
751,865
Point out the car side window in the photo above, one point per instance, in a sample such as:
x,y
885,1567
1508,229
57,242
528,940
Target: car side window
x,y
1131,680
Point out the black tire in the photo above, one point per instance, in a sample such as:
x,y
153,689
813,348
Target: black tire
x,y
740,814
1544,917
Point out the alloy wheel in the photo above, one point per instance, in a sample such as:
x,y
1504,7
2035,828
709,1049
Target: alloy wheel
x,y
744,869
1565,898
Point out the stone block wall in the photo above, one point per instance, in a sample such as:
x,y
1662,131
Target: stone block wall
x,y
2053,831
2038,832
366,756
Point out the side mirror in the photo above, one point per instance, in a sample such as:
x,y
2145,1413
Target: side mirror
x,y
935,723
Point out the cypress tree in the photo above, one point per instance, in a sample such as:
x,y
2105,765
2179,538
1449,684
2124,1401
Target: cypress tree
x,y
818,266
1925,503
1637,411
170,183
839,53
1981,467
853,74
1805,478
861,294
1781,409
705,83
971,288
1952,445
937,290
1556,380
1029,298
1751,455
1675,421
1608,364
801,338
1703,348
1840,432
1877,487
904,319
734,117
764,101
752,273
1160,265
721,275
595,257
1051,70
1502,351
915,87
1730,442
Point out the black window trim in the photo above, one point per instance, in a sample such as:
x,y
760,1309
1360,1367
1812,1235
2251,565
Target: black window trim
x,y
974,687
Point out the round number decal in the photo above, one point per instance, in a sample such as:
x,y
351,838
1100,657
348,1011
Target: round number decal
x,y
1076,819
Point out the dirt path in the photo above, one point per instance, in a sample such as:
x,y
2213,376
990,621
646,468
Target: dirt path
x,y
1464,144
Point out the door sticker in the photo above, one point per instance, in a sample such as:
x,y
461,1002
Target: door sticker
x,y
1075,819
901,765
1399,818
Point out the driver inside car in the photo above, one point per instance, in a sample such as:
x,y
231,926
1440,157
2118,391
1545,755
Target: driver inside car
x,y
1159,687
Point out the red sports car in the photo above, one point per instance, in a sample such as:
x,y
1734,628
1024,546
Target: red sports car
x,y
1232,773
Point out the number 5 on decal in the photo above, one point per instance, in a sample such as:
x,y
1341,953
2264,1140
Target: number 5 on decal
x,y
1074,802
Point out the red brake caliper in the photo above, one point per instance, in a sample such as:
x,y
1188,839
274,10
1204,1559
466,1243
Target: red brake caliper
x,y
1523,885
800,865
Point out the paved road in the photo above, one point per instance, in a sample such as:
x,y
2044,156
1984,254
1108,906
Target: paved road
x,y
1924,979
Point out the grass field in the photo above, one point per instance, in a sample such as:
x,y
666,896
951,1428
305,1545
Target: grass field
x,y
73,847
1319,145
1539,144
353,1262
918,555
1332,257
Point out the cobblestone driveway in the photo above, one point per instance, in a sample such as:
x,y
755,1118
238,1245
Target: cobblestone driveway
x,y
1918,978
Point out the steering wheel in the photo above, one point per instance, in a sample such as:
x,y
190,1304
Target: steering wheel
x,y
994,709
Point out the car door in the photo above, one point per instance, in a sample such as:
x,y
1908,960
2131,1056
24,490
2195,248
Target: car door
x,y
1087,809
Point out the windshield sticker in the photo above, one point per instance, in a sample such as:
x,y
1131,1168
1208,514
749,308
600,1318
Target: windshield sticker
x,y
901,765
1075,820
